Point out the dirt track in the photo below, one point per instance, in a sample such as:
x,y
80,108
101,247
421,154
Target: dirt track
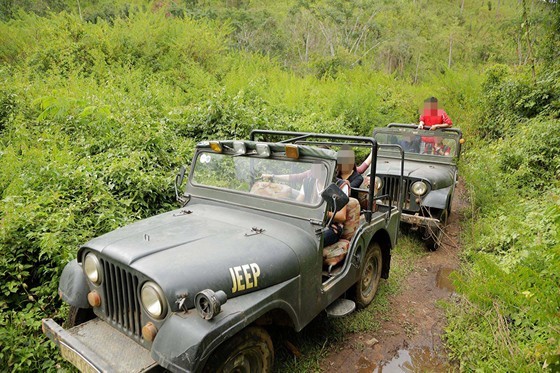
x,y
410,339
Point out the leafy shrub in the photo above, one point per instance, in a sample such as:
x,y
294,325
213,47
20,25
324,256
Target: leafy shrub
x,y
507,319
8,108
531,158
509,100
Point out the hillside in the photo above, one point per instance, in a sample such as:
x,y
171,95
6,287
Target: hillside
x,y
102,101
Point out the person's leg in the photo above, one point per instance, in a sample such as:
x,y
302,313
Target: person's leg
x,y
330,236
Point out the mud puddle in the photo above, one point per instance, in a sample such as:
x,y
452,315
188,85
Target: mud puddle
x,y
443,281
413,360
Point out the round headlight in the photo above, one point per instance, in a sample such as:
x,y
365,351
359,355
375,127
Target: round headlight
x,y
419,188
378,184
153,300
92,268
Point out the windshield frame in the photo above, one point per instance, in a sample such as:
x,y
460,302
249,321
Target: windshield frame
x,y
247,200
307,160
454,135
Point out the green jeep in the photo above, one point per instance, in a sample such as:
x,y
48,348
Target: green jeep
x,y
430,175
195,288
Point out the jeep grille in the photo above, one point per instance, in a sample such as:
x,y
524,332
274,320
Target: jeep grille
x,y
391,190
121,301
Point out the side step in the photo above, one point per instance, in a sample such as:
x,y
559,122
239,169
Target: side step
x,y
341,307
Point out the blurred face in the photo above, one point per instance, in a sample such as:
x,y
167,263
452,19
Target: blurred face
x,y
430,107
345,160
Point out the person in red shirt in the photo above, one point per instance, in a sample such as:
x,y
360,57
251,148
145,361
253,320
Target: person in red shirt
x,y
433,118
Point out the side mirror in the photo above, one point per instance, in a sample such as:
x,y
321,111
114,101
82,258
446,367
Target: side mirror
x,y
334,196
178,181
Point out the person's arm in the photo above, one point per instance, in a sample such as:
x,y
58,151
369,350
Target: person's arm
x,y
446,122
365,164
301,195
421,122
287,178
446,119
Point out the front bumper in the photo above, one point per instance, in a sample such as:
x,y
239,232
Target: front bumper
x,y
421,221
95,346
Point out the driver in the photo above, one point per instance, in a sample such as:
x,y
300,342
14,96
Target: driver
x,y
440,148
312,182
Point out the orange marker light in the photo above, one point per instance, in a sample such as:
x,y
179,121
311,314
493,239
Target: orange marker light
x,y
149,332
292,151
216,146
94,299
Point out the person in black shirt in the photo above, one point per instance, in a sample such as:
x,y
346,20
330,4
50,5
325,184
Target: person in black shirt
x,y
346,165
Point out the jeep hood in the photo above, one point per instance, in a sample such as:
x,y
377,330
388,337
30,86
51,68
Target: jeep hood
x,y
438,175
207,247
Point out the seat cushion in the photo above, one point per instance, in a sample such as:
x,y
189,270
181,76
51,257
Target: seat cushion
x,y
334,253
272,190
352,219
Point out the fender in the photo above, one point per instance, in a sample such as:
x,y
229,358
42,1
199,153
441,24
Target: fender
x,y
185,341
437,198
73,287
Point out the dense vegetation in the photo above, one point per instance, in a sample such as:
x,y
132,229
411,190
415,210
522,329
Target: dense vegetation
x,y
101,101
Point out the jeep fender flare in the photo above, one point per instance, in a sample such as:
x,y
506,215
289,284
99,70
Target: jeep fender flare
x,y
437,198
73,287
383,238
186,340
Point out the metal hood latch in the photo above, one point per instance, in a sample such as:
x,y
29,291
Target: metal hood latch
x,y
254,231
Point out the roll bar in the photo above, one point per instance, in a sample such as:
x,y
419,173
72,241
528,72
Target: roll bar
x,y
359,141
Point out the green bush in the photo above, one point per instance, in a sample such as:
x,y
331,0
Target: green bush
x,y
511,99
506,318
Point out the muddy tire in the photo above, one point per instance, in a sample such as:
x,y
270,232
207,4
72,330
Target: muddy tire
x,y
249,351
77,316
434,237
370,274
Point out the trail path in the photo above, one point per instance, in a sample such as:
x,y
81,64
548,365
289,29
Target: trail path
x,y
409,340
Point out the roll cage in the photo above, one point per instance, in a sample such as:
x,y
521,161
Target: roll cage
x,y
316,139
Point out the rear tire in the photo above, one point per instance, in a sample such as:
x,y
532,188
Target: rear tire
x,y
77,316
370,274
248,351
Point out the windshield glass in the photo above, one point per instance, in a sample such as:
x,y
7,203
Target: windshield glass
x,y
272,178
443,144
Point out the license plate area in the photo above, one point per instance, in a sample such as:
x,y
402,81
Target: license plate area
x,y
76,359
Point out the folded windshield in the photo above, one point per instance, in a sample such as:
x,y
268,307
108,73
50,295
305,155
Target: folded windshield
x,y
265,177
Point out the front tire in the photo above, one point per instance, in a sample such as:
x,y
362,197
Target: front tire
x,y
370,274
248,351
77,316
